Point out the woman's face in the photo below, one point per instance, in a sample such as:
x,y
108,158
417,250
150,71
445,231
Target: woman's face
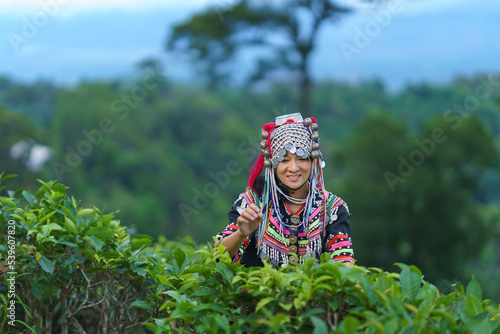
x,y
293,171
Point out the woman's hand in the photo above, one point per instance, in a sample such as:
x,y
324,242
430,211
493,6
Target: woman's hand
x,y
249,220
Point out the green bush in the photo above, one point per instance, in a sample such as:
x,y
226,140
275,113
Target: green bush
x,y
216,296
79,270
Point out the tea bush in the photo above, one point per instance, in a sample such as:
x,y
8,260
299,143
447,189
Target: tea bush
x,y
78,270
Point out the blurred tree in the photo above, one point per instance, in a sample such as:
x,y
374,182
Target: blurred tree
x,y
36,100
286,30
412,197
18,137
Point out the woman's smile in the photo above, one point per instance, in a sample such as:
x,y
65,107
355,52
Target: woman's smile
x,y
294,170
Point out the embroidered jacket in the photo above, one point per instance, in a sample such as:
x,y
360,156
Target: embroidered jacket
x,y
281,246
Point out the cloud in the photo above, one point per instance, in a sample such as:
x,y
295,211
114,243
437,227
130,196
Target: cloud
x,y
69,7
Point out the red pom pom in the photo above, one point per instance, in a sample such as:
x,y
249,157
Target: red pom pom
x,y
269,127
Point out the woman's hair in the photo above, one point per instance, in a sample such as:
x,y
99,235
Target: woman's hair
x,y
258,185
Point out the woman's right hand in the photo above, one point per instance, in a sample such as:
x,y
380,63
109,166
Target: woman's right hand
x,y
249,220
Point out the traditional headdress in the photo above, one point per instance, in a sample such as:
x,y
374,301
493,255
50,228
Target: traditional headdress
x,y
293,134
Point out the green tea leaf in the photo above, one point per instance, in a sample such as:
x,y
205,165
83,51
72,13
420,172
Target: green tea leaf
x,y
152,327
226,273
480,324
47,216
100,232
320,326
84,212
180,258
350,325
66,212
474,288
410,283
8,201
42,189
206,291
38,290
140,240
286,307
473,305
264,302
67,243
29,197
70,225
46,265
459,289
96,242
143,304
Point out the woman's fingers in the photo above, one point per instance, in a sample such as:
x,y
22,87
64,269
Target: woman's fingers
x,y
249,219
251,213
255,211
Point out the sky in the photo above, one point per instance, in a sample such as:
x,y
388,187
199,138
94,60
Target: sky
x,y
399,42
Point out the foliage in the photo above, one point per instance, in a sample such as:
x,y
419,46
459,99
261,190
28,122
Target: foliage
x,y
164,164
425,190
325,297
77,267
33,100
20,132
82,271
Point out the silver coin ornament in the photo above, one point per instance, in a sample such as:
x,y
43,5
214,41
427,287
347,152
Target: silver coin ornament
x,y
293,150
300,152
288,146
281,157
282,152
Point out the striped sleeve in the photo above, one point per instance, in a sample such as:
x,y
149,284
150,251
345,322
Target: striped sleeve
x,y
338,233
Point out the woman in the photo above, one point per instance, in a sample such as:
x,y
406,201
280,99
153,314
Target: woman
x,y
287,216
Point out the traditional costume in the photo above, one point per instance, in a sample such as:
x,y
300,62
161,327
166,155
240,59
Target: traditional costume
x,y
321,225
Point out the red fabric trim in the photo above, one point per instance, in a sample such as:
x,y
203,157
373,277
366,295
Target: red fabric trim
x,y
297,212
344,258
335,239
